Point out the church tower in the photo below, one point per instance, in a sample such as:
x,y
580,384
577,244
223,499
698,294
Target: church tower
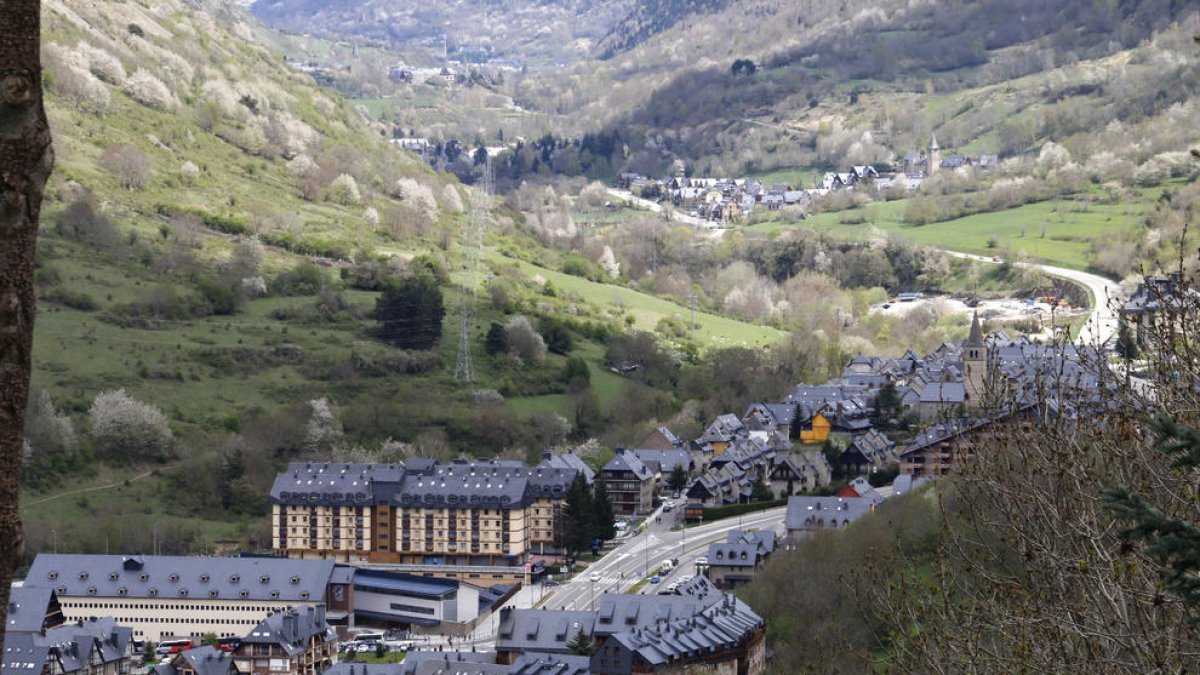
x,y
975,361
933,160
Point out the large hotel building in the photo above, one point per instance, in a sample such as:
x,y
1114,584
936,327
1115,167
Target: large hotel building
x,y
484,513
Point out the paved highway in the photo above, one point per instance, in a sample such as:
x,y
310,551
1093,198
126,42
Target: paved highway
x,y
1102,325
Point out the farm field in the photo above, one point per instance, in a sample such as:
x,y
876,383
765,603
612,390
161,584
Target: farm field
x,y
1057,232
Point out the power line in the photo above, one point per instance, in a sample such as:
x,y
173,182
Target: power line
x,y
473,231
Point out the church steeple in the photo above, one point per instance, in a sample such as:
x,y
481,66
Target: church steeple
x,y
933,158
975,337
975,359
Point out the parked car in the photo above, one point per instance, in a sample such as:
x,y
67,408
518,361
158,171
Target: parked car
x,y
655,579
551,582
595,576
702,561
668,507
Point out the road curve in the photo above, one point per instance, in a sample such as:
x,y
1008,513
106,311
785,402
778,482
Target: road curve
x,y
1100,328
1102,325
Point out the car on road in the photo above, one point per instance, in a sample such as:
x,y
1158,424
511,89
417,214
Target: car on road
x,y
668,507
551,582
655,579
595,576
672,587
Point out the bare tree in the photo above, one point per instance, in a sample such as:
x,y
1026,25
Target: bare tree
x,y
26,159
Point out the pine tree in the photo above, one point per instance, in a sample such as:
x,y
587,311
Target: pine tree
x,y
582,644
577,525
604,527
761,492
678,478
1173,544
496,341
410,311
1126,346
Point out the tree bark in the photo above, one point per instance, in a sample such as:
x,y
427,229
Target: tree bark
x,y
26,159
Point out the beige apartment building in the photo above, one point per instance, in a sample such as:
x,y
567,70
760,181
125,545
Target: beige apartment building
x,y
488,513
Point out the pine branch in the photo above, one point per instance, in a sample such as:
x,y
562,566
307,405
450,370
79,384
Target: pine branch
x,y
1177,440
1172,543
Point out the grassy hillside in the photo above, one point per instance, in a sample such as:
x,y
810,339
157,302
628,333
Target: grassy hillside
x,y
1065,232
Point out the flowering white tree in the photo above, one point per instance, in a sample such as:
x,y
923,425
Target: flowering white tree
x,y
451,200
323,434
344,190
123,427
148,90
525,345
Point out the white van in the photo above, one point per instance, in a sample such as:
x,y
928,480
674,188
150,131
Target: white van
x,y
666,566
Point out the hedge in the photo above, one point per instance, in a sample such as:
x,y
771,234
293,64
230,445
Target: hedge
x,y
730,510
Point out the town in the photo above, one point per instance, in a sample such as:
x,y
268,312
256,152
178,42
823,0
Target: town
x,y
482,563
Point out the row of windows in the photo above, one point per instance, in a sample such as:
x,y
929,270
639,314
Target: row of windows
x,y
127,620
412,608
257,609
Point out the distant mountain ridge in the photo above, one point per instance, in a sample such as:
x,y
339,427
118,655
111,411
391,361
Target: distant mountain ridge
x,y
546,31
651,17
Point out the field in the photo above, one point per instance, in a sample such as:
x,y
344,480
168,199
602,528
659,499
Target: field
x,y
1057,232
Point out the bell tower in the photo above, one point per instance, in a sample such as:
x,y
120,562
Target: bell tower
x,y
933,160
975,360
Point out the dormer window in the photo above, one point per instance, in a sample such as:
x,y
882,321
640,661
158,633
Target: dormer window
x,y
52,575
204,578
83,576
243,594
303,595
212,592
152,592
112,576
173,577
143,577
264,579
295,580
235,579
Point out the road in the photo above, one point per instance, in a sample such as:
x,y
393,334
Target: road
x,y
631,561
1102,325
703,226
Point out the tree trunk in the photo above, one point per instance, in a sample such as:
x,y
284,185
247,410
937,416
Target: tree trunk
x,y
25,162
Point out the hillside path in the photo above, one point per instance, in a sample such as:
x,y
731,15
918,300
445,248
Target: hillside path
x,y
94,488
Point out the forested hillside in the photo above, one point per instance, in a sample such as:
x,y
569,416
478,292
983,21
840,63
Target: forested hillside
x,y
647,19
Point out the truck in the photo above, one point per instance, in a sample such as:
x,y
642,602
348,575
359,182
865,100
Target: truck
x,y
666,567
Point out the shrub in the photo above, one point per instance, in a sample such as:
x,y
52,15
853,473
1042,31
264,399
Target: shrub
x,y
126,429
344,190
129,164
303,279
148,90
71,298
525,345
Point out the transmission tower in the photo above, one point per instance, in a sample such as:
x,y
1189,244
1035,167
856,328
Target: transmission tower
x,y
472,239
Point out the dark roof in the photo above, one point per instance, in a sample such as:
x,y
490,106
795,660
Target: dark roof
x,y
719,626
831,511
541,630
568,460
72,644
264,578
290,629
666,460
628,461
27,608
406,584
944,392
205,660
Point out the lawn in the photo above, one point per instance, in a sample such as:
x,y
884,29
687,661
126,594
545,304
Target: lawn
x,y
647,310
797,178
1056,232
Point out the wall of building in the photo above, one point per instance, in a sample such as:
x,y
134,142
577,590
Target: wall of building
x,y
153,618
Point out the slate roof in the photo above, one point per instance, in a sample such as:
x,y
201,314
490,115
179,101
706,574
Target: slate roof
x,y
27,606
181,576
568,460
290,629
741,549
72,644
628,461
720,626
405,584
205,660
906,483
621,612
944,392
801,509
332,483
541,630
547,664
665,460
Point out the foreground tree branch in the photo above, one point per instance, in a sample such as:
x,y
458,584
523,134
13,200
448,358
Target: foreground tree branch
x,y
25,163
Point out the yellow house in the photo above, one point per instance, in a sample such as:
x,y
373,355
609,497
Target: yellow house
x,y
818,430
